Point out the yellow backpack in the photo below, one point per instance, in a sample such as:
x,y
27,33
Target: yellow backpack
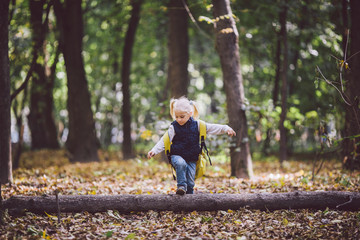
x,y
201,163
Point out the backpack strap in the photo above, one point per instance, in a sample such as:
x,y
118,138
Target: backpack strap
x,y
203,137
167,145
202,128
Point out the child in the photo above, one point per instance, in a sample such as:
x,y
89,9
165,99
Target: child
x,y
185,147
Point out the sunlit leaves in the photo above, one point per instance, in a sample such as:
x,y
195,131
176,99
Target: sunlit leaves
x,y
146,135
206,19
227,31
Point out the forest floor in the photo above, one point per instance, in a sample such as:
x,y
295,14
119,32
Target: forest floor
x,y
46,171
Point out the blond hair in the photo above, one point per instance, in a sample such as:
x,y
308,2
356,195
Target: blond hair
x,y
185,105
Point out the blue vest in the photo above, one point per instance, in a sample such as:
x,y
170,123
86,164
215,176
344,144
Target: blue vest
x,y
186,140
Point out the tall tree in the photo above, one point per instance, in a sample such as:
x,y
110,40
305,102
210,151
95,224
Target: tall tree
x,y
351,147
125,76
345,25
178,47
228,50
18,116
5,146
82,142
284,88
41,120
275,91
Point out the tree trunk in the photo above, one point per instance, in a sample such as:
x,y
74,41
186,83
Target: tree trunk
x,y
82,142
345,22
275,92
41,120
284,66
178,45
205,71
193,202
18,147
295,47
228,50
5,146
351,144
125,76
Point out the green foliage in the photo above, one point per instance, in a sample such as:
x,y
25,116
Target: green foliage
x,y
314,35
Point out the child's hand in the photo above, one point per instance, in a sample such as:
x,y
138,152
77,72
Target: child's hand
x,y
231,133
150,154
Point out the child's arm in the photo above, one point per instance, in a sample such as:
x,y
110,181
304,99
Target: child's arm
x,y
216,129
159,147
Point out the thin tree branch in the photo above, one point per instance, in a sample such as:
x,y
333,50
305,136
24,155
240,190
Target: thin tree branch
x,y
343,96
345,203
330,83
53,66
347,44
35,56
57,205
51,2
11,14
343,63
27,78
194,21
353,55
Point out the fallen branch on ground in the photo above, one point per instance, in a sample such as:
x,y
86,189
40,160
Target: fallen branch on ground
x,y
197,202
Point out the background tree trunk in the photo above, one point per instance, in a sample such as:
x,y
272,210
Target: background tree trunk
x,y
284,67
205,71
41,120
5,146
125,76
228,50
275,92
18,147
351,145
178,45
82,142
126,203
345,26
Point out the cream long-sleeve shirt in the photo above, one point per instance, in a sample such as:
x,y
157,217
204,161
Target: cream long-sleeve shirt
x,y
212,129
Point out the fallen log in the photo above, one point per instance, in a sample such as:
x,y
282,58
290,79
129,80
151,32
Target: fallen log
x,y
197,202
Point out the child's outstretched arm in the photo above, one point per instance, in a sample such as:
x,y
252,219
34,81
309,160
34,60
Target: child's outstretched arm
x,y
159,147
216,129
231,132
150,154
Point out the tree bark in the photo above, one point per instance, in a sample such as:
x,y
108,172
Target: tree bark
x,y
41,119
345,26
351,147
82,142
275,92
193,202
284,67
205,71
5,146
125,76
228,50
178,47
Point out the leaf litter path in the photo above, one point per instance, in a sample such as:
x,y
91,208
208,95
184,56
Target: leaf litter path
x,y
151,177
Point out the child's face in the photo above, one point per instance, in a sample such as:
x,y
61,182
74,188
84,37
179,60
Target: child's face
x,y
182,117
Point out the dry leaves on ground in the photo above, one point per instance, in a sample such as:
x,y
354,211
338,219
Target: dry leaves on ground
x,y
140,176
